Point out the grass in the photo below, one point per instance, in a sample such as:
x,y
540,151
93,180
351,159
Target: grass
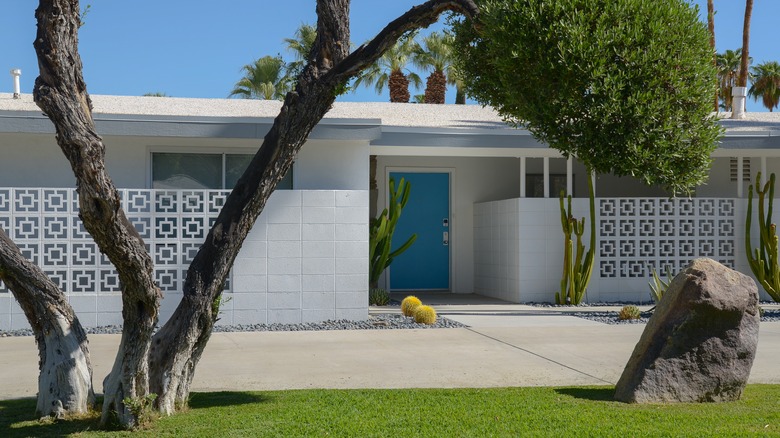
x,y
568,411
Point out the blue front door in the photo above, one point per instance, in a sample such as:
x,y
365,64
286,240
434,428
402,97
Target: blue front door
x,y
426,264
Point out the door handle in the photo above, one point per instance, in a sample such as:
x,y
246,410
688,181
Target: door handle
x,y
446,238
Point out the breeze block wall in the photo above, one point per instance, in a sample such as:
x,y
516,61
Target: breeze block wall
x,y
519,244
306,259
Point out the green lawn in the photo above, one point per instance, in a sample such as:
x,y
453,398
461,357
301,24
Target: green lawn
x,y
569,411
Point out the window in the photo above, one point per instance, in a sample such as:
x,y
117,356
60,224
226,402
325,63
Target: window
x,y
534,185
202,171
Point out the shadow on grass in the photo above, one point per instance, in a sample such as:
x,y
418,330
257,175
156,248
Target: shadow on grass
x,y
18,419
204,400
605,393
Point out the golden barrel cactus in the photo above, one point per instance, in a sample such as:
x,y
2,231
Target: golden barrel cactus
x,y
409,304
424,315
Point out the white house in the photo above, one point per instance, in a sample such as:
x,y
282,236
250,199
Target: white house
x,y
484,205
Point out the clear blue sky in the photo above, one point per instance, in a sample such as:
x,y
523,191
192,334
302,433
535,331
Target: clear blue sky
x,y
196,48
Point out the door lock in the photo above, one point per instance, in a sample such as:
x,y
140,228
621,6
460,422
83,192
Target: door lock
x,y
446,238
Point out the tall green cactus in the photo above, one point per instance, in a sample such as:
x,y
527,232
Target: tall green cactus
x,y
763,260
577,267
381,232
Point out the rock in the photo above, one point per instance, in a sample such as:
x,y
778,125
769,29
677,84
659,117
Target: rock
x,y
700,343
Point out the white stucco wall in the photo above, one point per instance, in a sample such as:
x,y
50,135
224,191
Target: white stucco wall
x,y
35,160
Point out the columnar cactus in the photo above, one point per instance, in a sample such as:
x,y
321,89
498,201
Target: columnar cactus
x,y
381,232
763,260
577,266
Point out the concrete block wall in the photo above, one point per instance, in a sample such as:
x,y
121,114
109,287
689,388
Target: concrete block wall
x,y
534,273
497,249
306,260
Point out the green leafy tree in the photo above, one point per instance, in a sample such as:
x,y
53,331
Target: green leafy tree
x,y
766,84
625,86
264,79
434,55
390,71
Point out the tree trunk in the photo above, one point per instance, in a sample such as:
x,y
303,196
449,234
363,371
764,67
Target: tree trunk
x,y
436,87
178,346
65,373
711,28
743,66
61,93
165,364
738,105
460,96
399,87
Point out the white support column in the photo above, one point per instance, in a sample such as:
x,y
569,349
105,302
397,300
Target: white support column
x,y
546,161
569,177
740,184
764,176
522,177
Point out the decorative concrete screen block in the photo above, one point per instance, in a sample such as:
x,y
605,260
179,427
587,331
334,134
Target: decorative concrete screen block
x,y
298,231
641,234
45,225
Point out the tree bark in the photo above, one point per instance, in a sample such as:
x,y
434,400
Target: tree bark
x,y
711,29
178,346
399,87
460,96
65,372
743,66
61,93
436,88
165,363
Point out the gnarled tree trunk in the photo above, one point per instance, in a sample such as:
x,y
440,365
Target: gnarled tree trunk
x,y
178,346
61,93
65,373
165,364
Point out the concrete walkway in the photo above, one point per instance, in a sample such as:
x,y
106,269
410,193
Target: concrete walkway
x,y
505,345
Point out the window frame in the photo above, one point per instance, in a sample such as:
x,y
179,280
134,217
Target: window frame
x,y
200,150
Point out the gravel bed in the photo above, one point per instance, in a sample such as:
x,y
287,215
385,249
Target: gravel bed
x,y
374,322
612,317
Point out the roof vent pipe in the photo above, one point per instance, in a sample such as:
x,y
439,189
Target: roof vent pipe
x,y
17,88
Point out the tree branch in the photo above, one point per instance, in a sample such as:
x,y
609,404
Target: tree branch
x,y
415,18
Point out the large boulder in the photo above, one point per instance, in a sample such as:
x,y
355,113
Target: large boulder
x,y
700,343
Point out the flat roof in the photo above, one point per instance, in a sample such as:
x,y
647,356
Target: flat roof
x,y
390,114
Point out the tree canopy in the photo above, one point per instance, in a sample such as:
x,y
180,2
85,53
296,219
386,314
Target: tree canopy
x,y
625,86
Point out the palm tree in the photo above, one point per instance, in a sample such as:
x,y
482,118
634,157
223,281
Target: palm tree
x,y
766,84
711,29
435,55
389,71
728,64
743,66
300,46
264,79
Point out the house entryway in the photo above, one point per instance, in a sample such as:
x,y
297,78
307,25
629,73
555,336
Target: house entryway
x,y
426,264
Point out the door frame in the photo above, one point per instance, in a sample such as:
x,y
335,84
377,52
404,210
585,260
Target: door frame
x,y
383,200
